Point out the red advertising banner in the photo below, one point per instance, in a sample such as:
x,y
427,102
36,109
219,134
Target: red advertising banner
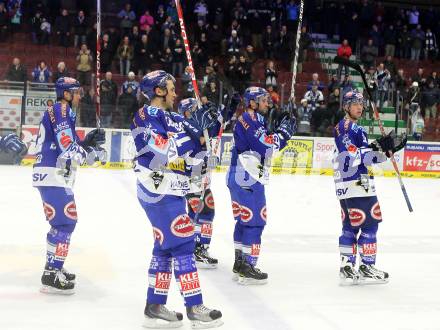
x,y
422,157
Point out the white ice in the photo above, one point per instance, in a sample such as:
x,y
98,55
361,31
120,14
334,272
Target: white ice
x,y
111,246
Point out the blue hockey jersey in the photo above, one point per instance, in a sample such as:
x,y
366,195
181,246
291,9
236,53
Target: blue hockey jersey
x,y
58,150
351,157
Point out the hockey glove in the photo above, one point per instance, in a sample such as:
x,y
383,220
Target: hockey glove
x,y
389,144
287,126
206,116
12,143
94,138
96,154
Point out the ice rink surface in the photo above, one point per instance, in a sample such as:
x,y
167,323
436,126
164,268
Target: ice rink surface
x,y
110,252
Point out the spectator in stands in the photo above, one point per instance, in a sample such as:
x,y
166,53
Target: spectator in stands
x,y
211,92
127,105
314,96
270,74
88,108
15,15
210,75
413,96
127,17
401,83
167,59
344,51
167,41
16,71
390,40
315,81
213,64
304,115
107,53
131,82
334,106
178,58
243,73
146,20
144,54
347,84
292,9
187,86
382,77
4,22
201,10
413,17
369,54
417,123
434,78
172,11
430,100
417,40
36,27
91,39
404,43
419,77
62,28
390,65
160,16
231,71
216,38
84,67
274,96
305,42
234,43
268,41
125,54
46,30
334,83
321,119
109,93
135,36
41,73
283,45
250,55
352,30
431,47
80,27
61,71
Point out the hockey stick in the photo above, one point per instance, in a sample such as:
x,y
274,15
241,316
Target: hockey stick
x,y
357,67
98,64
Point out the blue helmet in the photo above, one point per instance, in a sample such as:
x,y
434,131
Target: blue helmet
x,y
352,97
254,93
66,84
187,105
154,79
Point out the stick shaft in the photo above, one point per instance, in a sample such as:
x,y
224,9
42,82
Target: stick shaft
x,y
295,58
98,63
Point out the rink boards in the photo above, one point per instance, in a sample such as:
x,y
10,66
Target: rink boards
x,y
303,155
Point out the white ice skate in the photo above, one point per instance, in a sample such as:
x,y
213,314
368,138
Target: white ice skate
x,y
371,275
159,317
348,275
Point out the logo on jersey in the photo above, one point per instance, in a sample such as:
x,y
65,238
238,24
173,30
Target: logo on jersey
x,y
375,212
206,230
194,202
65,138
162,283
209,201
246,214
369,249
189,284
62,250
70,211
255,250
356,216
157,235
342,214
236,209
49,211
51,115
267,140
263,213
352,149
182,226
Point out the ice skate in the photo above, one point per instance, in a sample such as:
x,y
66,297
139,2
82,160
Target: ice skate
x,y
348,275
371,275
203,259
250,275
159,317
55,282
237,264
71,277
202,317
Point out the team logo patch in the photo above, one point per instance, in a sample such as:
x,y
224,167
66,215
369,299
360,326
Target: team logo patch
x,y
157,235
246,214
369,249
70,211
194,202
342,214
236,209
182,226
49,211
162,283
356,216
189,284
255,250
263,213
209,201
160,142
375,212
206,230
352,149
62,250
65,139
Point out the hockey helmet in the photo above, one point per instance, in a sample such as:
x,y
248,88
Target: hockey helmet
x,y
152,80
66,84
352,97
255,94
187,105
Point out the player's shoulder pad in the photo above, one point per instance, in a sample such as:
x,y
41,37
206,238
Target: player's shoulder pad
x,y
153,111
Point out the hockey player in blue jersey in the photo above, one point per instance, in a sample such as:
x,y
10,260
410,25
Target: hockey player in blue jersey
x,y
247,175
169,148
204,223
360,210
59,152
12,149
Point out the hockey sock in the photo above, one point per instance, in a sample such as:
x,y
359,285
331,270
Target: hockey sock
x,y
58,242
251,244
367,244
159,278
203,226
347,244
187,277
238,237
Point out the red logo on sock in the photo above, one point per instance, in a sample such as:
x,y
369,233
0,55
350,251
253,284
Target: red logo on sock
x,y
62,250
206,230
163,281
189,284
255,250
369,249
